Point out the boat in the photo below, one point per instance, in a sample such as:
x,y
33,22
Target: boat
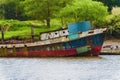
x,y
77,40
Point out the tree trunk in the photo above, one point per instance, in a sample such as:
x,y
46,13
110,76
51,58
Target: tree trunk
x,y
16,13
48,22
62,22
32,32
2,32
48,14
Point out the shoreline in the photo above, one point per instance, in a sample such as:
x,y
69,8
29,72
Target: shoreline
x,y
111,47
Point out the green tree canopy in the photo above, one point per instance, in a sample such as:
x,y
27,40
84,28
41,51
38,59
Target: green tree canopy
x,y
11,9
110,3
43,9
114,25
82,10
2,11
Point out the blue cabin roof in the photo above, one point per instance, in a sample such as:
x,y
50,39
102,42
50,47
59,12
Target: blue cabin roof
x,y
78,27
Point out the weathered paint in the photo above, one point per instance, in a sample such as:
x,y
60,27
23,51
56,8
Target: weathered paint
x,y
73,46
55,34
73,36
96,49
98,39
53,41
14,51
83,49
78,27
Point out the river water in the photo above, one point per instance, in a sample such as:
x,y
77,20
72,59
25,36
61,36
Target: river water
x,y
104,67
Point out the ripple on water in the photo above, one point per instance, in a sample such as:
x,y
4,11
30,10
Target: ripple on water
x,y
70,68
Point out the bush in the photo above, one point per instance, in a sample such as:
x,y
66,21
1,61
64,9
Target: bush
x,y
114,26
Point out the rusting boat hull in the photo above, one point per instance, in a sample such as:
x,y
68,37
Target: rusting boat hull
x,y
77,40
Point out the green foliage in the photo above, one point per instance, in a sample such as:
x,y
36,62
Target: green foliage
x,y
2,11
11,9
13,25
110,3
44,9
116,10
114,25
80,11
22,29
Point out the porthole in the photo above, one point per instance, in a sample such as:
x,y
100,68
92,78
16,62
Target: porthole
x,y
56,33
63,31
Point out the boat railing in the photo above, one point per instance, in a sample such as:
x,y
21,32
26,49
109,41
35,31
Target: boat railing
x,y
20,41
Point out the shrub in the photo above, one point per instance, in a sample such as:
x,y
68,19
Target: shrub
x,y
114,26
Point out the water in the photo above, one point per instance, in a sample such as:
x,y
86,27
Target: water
x,y
73,68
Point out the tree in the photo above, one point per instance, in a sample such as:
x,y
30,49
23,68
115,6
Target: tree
x,y
2,11
114,25
110,3
11,9
43,9
80,11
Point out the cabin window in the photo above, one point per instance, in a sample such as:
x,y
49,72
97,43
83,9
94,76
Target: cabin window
x,y
56,33
63,31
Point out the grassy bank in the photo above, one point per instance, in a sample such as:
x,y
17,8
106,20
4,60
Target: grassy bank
x,y
22,29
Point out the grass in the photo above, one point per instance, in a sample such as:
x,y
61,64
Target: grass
x,y
22,29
